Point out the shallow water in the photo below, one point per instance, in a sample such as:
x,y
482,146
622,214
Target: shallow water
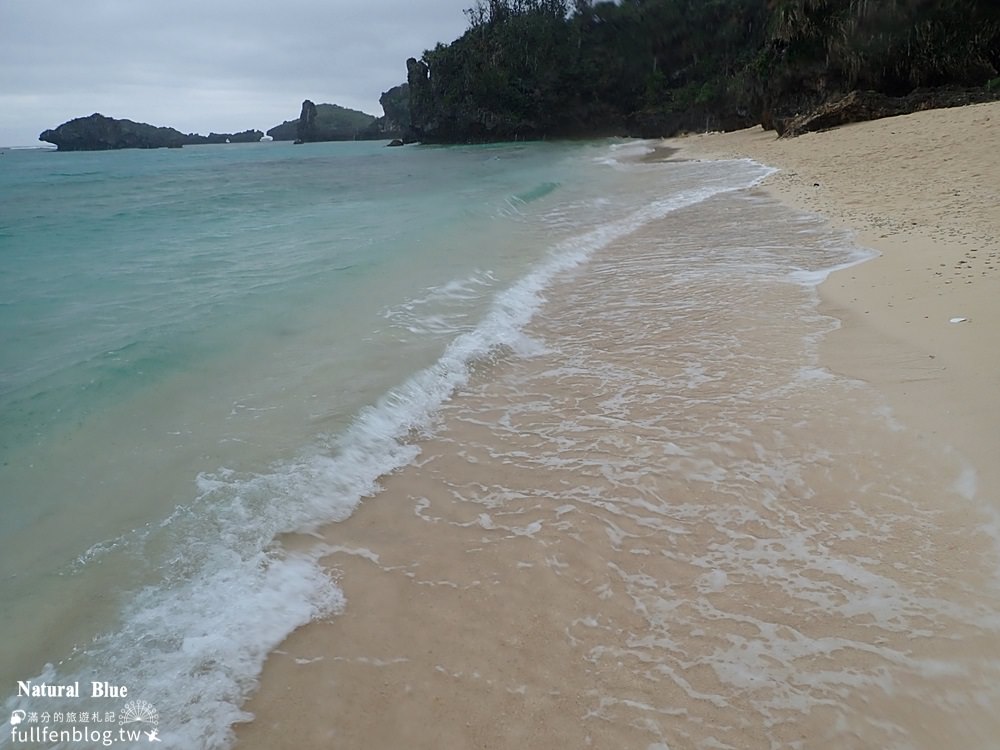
x,y
207,348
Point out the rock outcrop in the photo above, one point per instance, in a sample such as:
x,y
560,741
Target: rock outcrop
x,y
305,130
423,122
100,133
395,121
859,106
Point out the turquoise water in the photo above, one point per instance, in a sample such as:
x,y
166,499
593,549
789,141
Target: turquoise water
x,y
124,272
124,266
205,349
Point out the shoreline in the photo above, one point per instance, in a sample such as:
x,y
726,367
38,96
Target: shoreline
x,y
657,534
928,204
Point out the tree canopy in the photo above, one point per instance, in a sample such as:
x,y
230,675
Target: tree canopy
x,y
530,68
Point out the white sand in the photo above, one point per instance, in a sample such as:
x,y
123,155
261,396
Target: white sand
x,y
923,190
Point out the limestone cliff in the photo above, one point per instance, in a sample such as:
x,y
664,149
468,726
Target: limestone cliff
x,y
305,129
395,122
422,105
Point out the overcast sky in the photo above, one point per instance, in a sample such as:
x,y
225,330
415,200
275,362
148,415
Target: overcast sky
x,y
205,65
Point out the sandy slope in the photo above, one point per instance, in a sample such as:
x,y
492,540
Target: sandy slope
x,y
923,190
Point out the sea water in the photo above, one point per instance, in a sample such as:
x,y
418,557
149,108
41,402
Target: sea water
x,y
205,350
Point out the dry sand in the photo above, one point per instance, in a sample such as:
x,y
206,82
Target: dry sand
x,y
924,191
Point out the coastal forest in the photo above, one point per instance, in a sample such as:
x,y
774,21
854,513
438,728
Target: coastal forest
x,y
538,68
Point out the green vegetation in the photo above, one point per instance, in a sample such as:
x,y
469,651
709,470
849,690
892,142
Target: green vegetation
x,y
531,68
822,47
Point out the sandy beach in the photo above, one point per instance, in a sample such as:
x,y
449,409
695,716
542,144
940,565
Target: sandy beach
x,y
669,528
924,191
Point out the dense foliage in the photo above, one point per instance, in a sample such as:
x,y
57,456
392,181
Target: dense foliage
x,y
529,68
822,47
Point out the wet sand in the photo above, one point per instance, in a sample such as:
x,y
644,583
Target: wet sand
x,y
675,528
923,190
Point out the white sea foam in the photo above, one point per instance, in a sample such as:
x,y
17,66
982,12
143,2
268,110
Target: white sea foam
x,y
813,278
443,309
190,649
626,153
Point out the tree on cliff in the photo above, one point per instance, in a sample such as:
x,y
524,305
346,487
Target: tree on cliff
x,y
537,67
892,47
532,67
821,48
503,78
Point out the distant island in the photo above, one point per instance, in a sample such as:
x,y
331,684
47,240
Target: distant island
x,y
100,133
316,122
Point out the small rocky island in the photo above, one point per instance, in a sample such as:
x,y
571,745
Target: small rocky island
x,y
316,122
100,133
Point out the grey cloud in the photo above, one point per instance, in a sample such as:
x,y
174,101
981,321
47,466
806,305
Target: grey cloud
x,y
196,66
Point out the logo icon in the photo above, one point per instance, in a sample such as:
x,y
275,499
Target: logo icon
x,y
139,711
16,717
